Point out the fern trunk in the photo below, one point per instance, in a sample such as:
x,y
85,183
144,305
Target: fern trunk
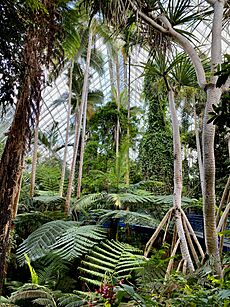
x,y
11,169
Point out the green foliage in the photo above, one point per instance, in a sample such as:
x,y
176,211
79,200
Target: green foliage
x,y
156,148
220,115
111,258
131,218
33,294
65,238
48,175
34,276
224,71
100,171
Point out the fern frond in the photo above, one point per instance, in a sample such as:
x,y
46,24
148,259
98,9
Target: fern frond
x,y
65,238
77,241
96,266
106,261
33,292
93,273
70,300
100,261
91,281
39,242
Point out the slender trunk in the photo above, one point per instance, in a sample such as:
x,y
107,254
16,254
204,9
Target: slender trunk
x,y
213,98
178,181
118,104
111,76
80,169
78,125
34,159
62,180
128,118
199,154
117,140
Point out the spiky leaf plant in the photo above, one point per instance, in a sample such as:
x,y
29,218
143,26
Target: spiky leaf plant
x,y
65,238
111,258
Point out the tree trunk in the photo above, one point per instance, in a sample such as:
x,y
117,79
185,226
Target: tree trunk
x,y
62,180
34,159
199,154
78,125
178,182
11,164
111,76
128,117
118,104
213,98
10,172
80,170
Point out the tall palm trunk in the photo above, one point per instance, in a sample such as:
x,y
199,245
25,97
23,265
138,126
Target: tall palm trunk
x,y
199,154
34,159
80,169
78,124
62,180
213,98
111,75
117,140
178,182
127,82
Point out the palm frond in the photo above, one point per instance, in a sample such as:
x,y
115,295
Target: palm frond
x,y
111,258
65,238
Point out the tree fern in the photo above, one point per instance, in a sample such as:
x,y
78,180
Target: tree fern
x,y
111,258
130,217
66,238
105,200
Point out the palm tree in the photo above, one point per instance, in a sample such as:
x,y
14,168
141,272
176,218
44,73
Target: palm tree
x,y
67,130
159,20
79,115
167,76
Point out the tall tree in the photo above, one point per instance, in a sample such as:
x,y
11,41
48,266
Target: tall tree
x,y
40,39
79,116
160,20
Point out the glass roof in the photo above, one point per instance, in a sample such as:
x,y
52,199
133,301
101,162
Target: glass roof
x,y
51,112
